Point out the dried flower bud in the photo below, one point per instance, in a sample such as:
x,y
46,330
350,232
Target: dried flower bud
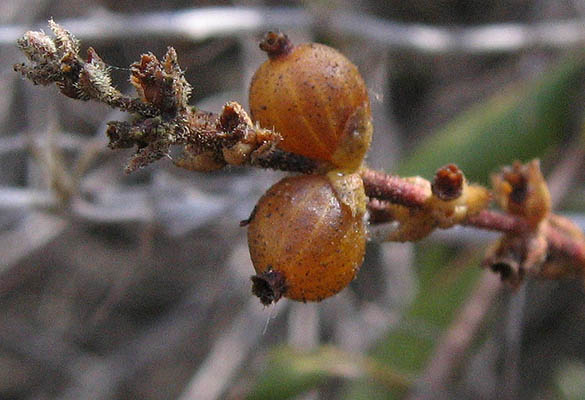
x,y
94,79
232,139
522,190
448,183
64,40
516,256
37,47
161,84
276,44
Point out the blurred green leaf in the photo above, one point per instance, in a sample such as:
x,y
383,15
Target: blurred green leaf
x,y
291,372
570,380
521,123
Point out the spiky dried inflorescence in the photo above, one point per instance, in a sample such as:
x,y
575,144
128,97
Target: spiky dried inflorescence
x,y
161,84
57,60
163,117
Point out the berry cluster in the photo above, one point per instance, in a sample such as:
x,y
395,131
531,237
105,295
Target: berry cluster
x,y
307,235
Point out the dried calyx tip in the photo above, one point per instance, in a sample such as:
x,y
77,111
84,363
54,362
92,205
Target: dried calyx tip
x,y
276,44
509,270
268,286
246,222
448,183
516,176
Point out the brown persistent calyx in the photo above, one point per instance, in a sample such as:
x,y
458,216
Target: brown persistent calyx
x,y
276,44
269,286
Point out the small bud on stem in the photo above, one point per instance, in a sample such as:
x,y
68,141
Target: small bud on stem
x,y
448,183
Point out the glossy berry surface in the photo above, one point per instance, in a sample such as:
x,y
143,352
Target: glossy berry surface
x,y
302,232
317,100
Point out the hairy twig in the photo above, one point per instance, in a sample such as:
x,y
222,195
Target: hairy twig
x,y
498,221
393,189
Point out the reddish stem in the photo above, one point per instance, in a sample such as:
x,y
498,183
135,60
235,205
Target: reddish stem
x,y
497,221
392,188
383,189
566,244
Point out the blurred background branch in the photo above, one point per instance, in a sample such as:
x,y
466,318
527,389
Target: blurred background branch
x,y
214,22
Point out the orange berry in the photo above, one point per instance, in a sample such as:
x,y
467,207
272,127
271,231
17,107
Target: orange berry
x,y
305,243
315,98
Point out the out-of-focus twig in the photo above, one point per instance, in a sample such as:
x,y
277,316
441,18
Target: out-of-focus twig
x,y
21,141
34,231
453,345
228,353
204,23
14,198
512,347
102,378
48,354
562,177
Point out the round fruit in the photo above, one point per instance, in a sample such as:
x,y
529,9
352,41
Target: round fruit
x,y
315,98
305,243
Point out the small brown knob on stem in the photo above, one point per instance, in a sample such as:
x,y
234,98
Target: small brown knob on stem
x,y
448,183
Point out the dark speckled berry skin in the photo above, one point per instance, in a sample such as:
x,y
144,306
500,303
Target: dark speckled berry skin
x,y
302,230
310,95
